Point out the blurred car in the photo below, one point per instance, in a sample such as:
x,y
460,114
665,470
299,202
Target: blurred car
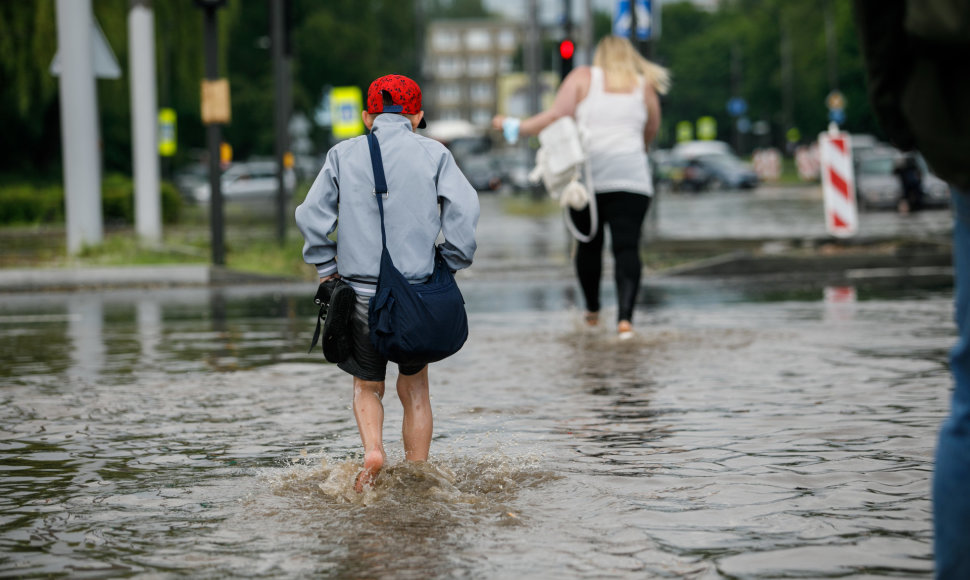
x,y
514,166
936,191
662,169
247,181
482,172
189,177
878,185
673,172
691,149
725,171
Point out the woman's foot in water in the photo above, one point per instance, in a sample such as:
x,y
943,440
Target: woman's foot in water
x,y
373,462
592,319
624,330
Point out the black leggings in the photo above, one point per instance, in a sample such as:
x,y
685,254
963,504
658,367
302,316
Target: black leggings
x,y
624,212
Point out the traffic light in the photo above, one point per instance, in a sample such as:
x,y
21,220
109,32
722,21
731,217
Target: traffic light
x,y
566,51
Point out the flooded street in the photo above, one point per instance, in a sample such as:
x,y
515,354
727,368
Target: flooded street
x,y
745,433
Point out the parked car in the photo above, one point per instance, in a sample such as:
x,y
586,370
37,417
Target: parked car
x,y
878,185
691,149
247,181
725,171
514,166
190,177
482,171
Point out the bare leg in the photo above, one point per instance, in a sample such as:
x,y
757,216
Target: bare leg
x,y
369,413
418,423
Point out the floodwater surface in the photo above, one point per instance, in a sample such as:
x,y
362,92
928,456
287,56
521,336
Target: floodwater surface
x,y
187,432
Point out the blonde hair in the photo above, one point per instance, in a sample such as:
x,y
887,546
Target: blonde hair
x,y
623,64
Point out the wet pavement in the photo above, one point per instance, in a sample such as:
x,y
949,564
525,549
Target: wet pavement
x,y
747,432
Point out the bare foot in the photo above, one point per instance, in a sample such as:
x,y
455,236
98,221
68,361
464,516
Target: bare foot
x,y
373,461
592,318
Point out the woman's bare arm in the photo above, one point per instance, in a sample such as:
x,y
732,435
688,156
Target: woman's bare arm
x,y
572,90
652,102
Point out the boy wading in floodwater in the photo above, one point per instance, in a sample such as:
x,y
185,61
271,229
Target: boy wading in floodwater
x,y
427,195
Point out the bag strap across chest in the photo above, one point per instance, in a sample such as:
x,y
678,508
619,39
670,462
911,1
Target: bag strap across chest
x,y
380,182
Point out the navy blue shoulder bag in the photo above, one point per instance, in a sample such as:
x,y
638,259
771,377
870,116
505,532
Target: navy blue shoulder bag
x,y
413,323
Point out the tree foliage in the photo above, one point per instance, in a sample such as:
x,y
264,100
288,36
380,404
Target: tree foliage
x,y
701,48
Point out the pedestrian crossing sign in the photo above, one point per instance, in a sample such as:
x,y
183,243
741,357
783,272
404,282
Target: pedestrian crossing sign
x,y
346,105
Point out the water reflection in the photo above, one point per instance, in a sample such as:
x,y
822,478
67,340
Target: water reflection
x,y
85,329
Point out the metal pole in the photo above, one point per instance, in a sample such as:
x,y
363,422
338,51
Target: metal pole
x,y
214,140
736,92
787,82
79,125
830,41
532,57
588,31
281,114
144,113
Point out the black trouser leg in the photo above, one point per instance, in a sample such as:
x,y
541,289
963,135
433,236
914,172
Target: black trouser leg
x,y
589,258
624,213
626,224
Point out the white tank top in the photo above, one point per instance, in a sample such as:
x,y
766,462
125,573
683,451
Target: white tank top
x,y
612,128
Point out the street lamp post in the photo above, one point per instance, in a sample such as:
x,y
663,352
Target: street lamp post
x,y
213,130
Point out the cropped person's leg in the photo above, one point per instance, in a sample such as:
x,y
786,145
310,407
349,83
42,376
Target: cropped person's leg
x,y
951,476
418,423
369,412
626,225
589,257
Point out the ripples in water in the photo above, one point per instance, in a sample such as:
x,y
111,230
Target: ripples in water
x,y
731,440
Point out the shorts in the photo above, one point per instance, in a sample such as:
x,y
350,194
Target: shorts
x,y
364,361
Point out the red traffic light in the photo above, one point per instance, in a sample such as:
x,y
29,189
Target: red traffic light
x,y
566,48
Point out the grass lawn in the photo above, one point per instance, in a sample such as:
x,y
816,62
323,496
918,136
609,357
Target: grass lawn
x,y
250,240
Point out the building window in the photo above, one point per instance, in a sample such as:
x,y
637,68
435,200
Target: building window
x,y
478,39
506,40
482,92
482,116
481,66
446,40
449,94
505,64
449,115
449,67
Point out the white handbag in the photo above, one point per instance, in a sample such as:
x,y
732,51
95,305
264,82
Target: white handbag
x,y
560,163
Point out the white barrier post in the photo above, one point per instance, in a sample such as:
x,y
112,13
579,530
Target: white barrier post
x,y
838,183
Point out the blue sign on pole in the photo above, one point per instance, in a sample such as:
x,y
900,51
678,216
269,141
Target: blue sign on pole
x,y
737,106
623,18
644,19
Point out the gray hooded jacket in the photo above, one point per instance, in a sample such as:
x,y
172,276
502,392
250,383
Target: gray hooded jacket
x,y
421,174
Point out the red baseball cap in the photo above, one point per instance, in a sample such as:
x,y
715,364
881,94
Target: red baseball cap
x,y
404,92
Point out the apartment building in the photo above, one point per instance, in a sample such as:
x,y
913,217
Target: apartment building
x,y
463,61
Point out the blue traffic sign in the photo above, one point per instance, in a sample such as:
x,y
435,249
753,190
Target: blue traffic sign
x,y
837,116
623,18
737,106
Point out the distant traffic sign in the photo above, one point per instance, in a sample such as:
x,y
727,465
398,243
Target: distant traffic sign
x,y
835,101
623,18
706,128
685,131
736,106
167,141
346,104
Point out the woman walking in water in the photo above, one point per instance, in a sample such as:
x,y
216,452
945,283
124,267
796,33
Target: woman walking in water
x,y
616,105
